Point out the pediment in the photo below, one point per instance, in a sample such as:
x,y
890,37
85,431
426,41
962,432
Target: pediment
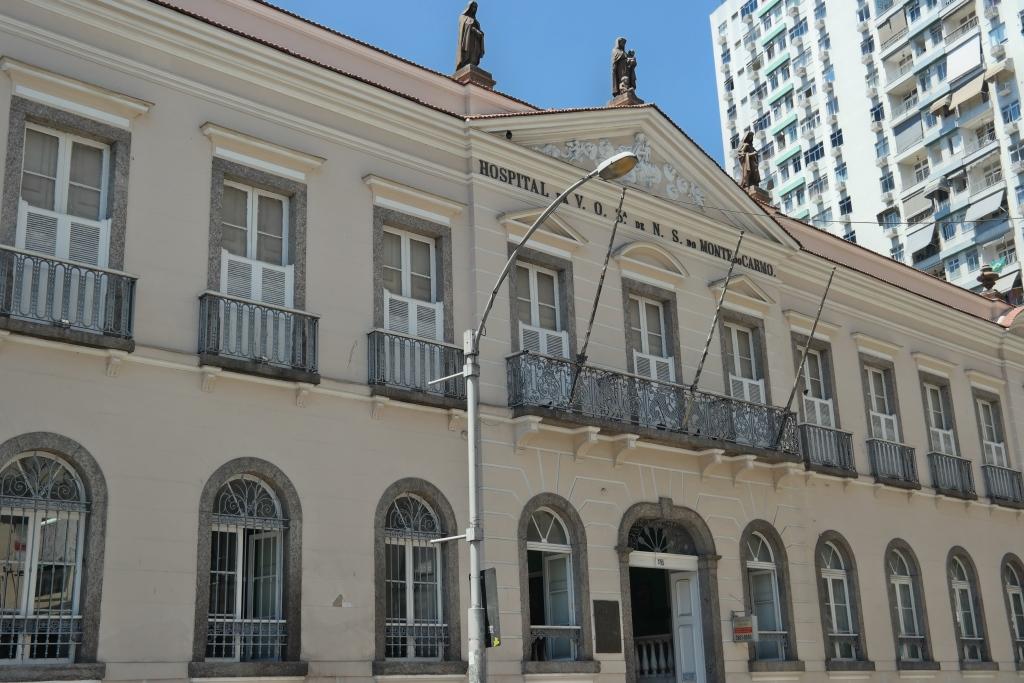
x,y
650,262
555,235
672,166
744,295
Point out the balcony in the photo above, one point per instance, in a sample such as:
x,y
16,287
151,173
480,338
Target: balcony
x,y
893,464
1005,486
827,450
46,297
624,403
258,339
962,31
402,366
952,476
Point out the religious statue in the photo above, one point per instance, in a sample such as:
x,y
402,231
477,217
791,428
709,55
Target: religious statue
x,y
471,39
750,174
623,68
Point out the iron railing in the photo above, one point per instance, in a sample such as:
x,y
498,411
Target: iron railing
x,y
415,641
246,640
249,331
772,646
963,30
554,643
893,462
844,647
826,447
411,363
952,475
1004,485
537,381
42,289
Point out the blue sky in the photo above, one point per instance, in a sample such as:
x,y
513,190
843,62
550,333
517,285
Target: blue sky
x,y
555,53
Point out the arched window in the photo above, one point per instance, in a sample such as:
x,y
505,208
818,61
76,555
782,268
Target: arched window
x,y
245,621
415,626
554,630
910,637
1012,583
842,635
43,510
765,598
966,604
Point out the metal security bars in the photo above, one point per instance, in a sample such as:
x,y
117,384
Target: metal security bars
x,y
246,617
826,447
42,289
1004,485
537,381
893,463
414,626
249,331
554,643
952,475
411,363
42,529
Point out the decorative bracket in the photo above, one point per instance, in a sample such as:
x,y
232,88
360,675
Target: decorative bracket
x,y
783,471
377,404
623,444
526,432
709,459
114,361
210,375
302,390
455,417
4,334
741,465
583,441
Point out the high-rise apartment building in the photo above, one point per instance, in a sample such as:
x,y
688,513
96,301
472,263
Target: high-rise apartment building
x,y
895,124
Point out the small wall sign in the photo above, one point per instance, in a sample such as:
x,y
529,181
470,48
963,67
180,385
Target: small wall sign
x,y
744,628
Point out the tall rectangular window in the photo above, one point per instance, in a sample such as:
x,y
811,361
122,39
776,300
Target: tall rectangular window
x,y
411,302
538,311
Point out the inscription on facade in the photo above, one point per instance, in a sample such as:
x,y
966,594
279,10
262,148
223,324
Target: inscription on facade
x,y
510,176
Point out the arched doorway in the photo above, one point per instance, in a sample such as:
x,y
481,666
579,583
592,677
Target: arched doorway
x,y
668,569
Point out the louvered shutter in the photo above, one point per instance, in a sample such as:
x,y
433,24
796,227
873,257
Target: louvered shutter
x,y
818,411
275,284
428,318
642,364
660,368
413,317
237,276
86,242
737,389
37,229
529,338
396,313
755,391
556,343
540,340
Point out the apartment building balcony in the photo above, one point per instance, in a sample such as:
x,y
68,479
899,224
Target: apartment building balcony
x,y
402,367
962,31
952,475
827,450
893,463
52,298
904,107
1005,486
620,402
258,339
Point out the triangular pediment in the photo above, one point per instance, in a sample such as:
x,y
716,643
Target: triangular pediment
x,y
672,167
744,295
555,235
650,262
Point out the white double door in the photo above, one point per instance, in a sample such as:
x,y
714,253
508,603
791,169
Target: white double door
x,y
686,628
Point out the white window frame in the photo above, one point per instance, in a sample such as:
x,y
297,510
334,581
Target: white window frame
x,y
1015,598
897,580
557,551
733,330
830,575
755,567
961,586
993,446
936,409
888,414
406,239
252,221
531,295
63,180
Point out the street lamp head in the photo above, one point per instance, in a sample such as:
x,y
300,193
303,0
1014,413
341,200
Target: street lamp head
x,y
617,165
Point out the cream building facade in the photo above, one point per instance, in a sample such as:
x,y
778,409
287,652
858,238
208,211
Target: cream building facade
x,y
236,248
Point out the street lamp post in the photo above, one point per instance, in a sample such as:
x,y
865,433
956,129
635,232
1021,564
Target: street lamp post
x,y
614,167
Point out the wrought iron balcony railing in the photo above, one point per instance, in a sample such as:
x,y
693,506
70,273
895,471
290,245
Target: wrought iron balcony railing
x,y
893,463
1004,486
39,292
409,364
249,336
827,448
539,382
952,475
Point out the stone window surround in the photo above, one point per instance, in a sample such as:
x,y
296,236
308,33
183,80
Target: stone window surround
x,y
889,368
770,534
584,662
756,326
566,295
442,236
221,170
825,349
1014,561
450,577
291,581
707,578
927,662
667,297
24,111
863,663
945,385
986,663
85,666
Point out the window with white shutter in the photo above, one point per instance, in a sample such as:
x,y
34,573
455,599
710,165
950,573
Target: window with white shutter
x,y
939,421
994,450
647,321
537,307
884,424
411,304
745,382
818,407
255,263
63,206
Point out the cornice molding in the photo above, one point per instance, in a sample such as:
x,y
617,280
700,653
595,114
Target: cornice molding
x,y
560,241
394,195
985,381
802,324
875,347
931,364
649,262
267,156
69,94
744,295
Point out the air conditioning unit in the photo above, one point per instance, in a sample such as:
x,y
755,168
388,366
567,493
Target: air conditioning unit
x,y
801,71
829,86
755,102
1011,127
887,197
881,162
794,10
998,51
725,67
755,62
837,152
723,38
867,58
811,166
797,41
871,92
840,186
876,126
992,12
863,26
823,55
833,120
748,18
819,24
1017,167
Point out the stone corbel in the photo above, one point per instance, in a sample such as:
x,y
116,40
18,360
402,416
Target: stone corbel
x,y
741,468
302,390
710,459
784,471
210,375
525,433
114,360
377,404
621,445
583,441
456,419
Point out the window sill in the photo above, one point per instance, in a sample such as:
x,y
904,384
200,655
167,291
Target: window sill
x,y
849,666
198,670
54,672
390,667
979,666
579,667
917,666
64,334
759,666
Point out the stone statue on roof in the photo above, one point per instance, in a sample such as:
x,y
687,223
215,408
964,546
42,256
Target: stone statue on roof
x,y
750,173
471,39
623,75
